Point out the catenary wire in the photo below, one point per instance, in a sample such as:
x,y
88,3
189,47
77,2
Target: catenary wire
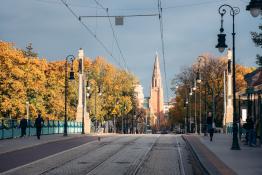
x,y
163,45
114,34
91,32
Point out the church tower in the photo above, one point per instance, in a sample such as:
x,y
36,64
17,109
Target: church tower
x,y
156,103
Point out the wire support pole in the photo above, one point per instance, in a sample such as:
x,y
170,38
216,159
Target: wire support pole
x,y
113,16
160,12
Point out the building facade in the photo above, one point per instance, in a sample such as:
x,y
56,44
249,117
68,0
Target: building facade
x,y
139,95
228,113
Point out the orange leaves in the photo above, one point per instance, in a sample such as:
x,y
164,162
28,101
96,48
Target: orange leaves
x,y
42,83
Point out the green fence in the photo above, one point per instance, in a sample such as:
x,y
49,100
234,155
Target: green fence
x,y
229,129
10,128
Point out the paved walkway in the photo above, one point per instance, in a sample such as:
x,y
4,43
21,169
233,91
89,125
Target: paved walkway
x,y
9,145
220,159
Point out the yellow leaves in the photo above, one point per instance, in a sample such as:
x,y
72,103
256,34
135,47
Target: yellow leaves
x,y
241,71
42,83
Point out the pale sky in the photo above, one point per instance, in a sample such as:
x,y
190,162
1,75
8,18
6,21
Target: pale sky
x,y
190,29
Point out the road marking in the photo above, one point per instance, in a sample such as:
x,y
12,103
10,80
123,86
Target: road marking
x,y
180,158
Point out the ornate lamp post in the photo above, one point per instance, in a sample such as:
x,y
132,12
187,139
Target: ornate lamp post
x,y
71,77
190,109
221,47
88,94
194,89
255,7
198,80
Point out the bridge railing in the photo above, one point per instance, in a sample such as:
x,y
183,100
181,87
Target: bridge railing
x,y
9,128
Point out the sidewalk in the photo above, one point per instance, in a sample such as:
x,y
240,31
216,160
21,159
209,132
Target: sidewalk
x,y
220,159
9,145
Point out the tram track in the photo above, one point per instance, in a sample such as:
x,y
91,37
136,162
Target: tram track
x,y
101,145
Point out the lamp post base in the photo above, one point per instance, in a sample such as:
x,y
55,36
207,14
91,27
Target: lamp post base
x,y
235,144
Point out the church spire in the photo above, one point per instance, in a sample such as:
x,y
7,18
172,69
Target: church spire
x,y
156,78
156,96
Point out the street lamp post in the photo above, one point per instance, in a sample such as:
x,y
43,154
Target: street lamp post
x,y
186,113
83,104
71,77
200,81
195,110
190,109
221,46
89,93
200,112
27,110
99,94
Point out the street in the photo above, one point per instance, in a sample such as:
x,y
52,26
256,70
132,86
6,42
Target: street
x,y
119,154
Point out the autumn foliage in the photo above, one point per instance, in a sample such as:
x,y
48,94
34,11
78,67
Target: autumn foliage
x,y
41,83
211,71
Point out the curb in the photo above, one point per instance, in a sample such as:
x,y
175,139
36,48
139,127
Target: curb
x,y
208,160
203,169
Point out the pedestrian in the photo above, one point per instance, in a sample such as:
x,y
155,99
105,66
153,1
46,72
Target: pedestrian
x,y
258,129
211,133
38,125
23,125
209,121
250,131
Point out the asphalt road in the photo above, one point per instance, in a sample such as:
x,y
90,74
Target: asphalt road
x,y
120,154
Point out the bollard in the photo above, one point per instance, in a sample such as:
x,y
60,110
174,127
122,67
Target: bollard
x,y
53,126
98,138
58,126
48,126
2,128
29,127
12,125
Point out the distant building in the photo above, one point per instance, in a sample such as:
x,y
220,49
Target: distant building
x,y
156,102
167,106
139,95
147,108
146,103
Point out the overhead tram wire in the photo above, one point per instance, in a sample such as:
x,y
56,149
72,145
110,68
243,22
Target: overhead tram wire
x,y
92,33
135,9
163,45
114,34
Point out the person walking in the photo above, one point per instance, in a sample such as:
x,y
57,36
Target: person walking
x,y
211,133
38,125
23,125
250,129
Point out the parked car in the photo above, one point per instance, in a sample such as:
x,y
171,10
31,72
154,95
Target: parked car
x,y
164,132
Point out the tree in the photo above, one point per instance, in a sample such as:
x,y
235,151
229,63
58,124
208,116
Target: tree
x,y
42,83
211,70
257,39
29,51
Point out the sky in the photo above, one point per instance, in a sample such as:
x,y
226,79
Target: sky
x,y
190,29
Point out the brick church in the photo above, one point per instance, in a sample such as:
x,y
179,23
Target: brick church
x,y
156,102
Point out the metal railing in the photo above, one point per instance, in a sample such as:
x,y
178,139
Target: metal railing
x,y
10,128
